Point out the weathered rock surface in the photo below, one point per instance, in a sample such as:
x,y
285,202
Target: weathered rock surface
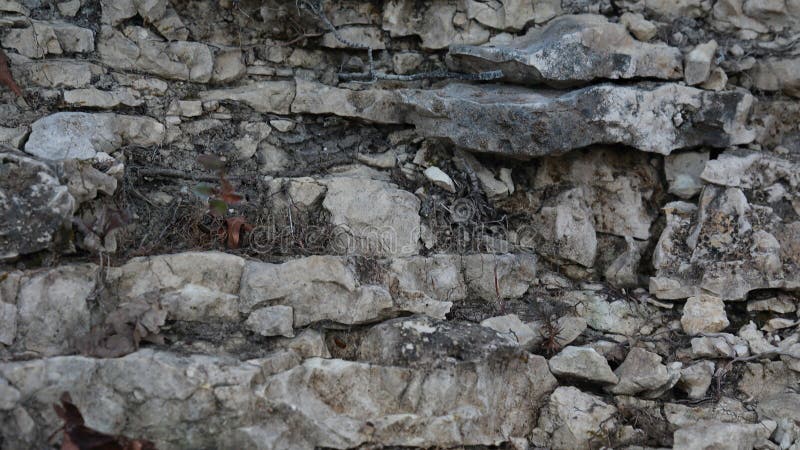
x,y
49,38
373,217
704,314
726,246
641,371
34,205
709,434
522,123
571,50
573,419
438,24
582,363
82,135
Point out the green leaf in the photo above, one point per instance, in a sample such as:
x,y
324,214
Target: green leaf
x,y
217,207
204,190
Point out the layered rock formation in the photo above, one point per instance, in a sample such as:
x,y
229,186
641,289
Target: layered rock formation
x,y
337,224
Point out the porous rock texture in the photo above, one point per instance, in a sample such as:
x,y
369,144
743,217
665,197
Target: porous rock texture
x,y
299,224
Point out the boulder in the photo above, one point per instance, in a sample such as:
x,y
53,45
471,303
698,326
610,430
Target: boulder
x,y
569,51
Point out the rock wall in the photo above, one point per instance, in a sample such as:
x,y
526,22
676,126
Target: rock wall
x,y
283,224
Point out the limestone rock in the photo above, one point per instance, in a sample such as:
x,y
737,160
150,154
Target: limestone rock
x,y
228,66
376,105
264,96
13,137
714,434
573,418
582,363
773,74
8,323
437,276
683,173
53,310
56,73
497,119
33,204
82,135
725,345
271,321
571,50
434,23
138,49
95,98
696,379
726,247
84,181
370,36
619,187
436,176
565,229
514,274
195,303
322,288
512,15
641,28
157,12
699,62
389,226
704,314
641,371
510,325
55,38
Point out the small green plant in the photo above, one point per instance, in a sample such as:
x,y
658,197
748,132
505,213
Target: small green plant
x,y
219,198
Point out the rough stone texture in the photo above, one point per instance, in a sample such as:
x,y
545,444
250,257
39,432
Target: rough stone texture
x,y
571,50
271,321
711,434
373,217
582,363
655,118
33,204
82,135
574,418
683,173
641,371
704,314
727,247
698,63
434,24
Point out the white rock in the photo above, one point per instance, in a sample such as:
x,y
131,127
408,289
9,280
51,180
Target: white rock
x,y
82,135
265,96
433,23
699,62
69,8
511,326
43,38
195,303
374,217
713,434
95,98
717,80
641,371
704,314
436,176
643,29
228,66
271,321
696,379
582,363
282,125
573,418
683,173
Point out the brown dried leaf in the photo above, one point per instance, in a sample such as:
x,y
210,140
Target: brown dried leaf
x,y
5,75
235,226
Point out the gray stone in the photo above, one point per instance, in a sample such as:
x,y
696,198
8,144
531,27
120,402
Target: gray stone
x,y
13,137
565,229
582,363
195,303
84,181
510,274
641,371
436,176
568,51
696,379
727,247
699,62
573,419
512,15
774,74
156,12
33,204
434,23
228,66
683,173
95,98
55,38
643,29
510,325
376,105
704,314
389,226
53,309
8,323
138,49
82,135
498,119
271,321
722,345
714,434
264,96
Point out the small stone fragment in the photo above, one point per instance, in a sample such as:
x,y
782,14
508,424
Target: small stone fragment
x,y
704,314
436,176
698,63
582,363
272,321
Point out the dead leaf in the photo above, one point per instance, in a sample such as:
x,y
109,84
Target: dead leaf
x,y
5,75
235,226
77,436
